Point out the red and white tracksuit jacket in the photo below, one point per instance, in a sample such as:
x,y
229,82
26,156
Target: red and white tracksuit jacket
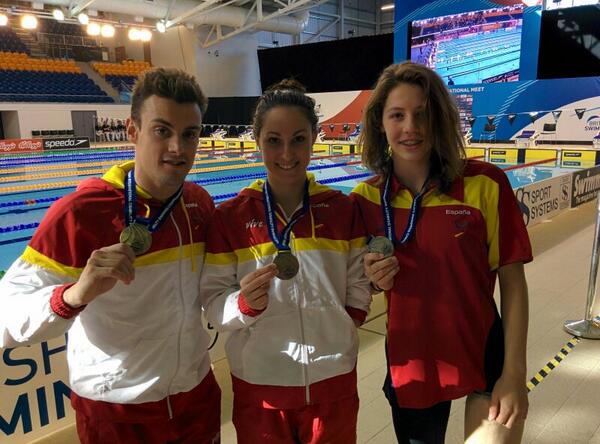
x,y
136,344
302,348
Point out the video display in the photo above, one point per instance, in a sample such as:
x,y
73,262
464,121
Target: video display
x,y
471,47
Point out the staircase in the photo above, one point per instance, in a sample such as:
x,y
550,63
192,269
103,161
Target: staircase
x,y
31,43
99,80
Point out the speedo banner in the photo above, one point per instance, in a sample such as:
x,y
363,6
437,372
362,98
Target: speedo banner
x,y
66,143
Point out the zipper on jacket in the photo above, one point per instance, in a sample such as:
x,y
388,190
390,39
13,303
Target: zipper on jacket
x,y
303,341
182,303
169,409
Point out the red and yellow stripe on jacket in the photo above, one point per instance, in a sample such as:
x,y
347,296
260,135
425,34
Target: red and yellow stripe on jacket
x,y
302,349
136,343
441,307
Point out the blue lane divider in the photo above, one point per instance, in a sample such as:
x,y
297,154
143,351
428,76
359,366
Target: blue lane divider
x,y
209,181
69,155
217,198
19,227
87,157
14,241
28,202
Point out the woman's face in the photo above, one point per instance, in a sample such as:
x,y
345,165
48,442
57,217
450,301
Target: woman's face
x,y
286,141
404,122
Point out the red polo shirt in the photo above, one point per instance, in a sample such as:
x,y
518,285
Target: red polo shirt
x,y
441,307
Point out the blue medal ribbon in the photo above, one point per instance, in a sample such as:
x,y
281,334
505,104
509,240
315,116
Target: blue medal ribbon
x,y
131,216
282,241
388,213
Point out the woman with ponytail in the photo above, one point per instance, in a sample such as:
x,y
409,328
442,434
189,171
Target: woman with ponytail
x,y
284,275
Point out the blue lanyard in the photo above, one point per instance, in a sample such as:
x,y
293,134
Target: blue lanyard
x,y
131,216
388,213
282,241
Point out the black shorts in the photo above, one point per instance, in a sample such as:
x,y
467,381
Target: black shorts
x,y
494,354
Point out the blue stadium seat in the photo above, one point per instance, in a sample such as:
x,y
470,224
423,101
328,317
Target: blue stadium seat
x,y
32,86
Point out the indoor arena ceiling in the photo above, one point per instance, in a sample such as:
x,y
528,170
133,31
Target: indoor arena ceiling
x,y
222,18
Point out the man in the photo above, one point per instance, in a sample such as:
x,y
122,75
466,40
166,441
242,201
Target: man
x,y
121,274
106,130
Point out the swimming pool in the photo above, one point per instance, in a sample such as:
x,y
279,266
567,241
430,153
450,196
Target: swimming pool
x,y
29,184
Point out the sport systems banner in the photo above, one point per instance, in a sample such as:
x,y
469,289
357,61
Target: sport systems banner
x,y
545,199
66,143
10,146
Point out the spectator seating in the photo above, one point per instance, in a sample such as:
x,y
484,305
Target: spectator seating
x,y
25,79
48,26
22,62
122,75
10,42
52,133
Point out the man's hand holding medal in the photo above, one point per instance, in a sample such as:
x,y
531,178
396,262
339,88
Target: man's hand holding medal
x,y
110,264
103,270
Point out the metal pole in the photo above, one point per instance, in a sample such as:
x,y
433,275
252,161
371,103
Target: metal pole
x,y
589,327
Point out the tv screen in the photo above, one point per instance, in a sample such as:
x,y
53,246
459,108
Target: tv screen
x,y
471,47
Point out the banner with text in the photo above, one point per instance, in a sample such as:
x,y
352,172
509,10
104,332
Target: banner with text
x,y
545,199
34,391
586,185
15,146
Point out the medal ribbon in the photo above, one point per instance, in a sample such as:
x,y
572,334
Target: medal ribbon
x,y
388,214
282,241
131,216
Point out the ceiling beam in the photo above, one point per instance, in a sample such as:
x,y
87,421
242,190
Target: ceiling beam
x,y
80,7
293,6
322,30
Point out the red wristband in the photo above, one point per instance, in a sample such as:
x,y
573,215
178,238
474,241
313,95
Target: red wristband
x,y
60,307
246,309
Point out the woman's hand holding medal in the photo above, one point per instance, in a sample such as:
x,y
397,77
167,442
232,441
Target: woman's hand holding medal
x,y
255,287
381,270
103,270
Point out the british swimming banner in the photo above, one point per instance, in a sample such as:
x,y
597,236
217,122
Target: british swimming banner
x,y
34,391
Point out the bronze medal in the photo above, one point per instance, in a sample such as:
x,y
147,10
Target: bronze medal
x,y
137,237
381,244
287,265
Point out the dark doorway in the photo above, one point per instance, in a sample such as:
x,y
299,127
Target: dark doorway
x,y
84,123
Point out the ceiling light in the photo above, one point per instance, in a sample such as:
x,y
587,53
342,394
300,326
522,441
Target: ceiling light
x,y
83,19
93,29
161,26
3,20
145,35
58,15
133,34
108,31
387,7
28,22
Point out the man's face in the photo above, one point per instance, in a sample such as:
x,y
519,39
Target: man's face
x,y
166,140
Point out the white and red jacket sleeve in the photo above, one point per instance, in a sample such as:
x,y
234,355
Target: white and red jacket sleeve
x,y
31,304
223,304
